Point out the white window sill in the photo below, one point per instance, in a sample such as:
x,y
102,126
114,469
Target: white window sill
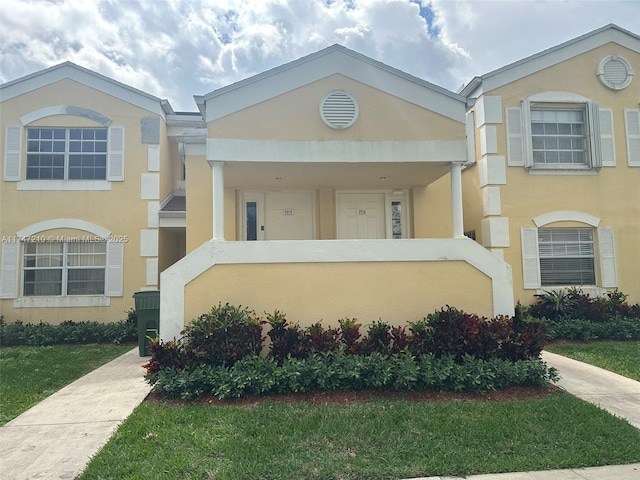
x,y
562,171
55,302
68,185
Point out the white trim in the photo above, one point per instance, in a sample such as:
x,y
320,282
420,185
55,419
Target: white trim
x,y
150,186
64,185
489,109
62,302
195,149
73,110
491,202
488,139
566,216
330,61
495,232
153,214
289,151
152,272
175,278
148,243
178,221
153,158
552,56
83,76
602,75
492,170
558,97
550,171
71,223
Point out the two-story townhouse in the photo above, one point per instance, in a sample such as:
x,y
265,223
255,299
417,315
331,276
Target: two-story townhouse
x,y
86,164
332,186
557,173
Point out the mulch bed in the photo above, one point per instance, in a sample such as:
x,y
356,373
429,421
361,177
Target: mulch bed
x,y
347,398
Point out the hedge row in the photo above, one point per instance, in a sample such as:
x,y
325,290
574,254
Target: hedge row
x,y
229,333
337,370
68,332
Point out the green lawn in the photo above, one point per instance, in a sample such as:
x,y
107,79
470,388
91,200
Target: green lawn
x,y
373,440
619,357
30,374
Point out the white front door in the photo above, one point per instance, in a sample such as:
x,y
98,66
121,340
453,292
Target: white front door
x,y
277,215
361,215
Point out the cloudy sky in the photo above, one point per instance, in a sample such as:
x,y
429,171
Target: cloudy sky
x,y
174,49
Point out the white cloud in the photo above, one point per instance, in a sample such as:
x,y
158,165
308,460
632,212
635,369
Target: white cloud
x,y
176,48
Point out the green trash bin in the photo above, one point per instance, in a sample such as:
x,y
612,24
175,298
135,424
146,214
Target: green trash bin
x,y
148,312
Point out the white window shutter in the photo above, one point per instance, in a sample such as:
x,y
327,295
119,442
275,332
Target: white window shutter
x,y
471,137
595,149
114,276
116,154
12,153
514,137
9,269
530,258
608,269
632,125
607,143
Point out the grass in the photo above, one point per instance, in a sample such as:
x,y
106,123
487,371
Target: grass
x,y
30,374
373,440
622,358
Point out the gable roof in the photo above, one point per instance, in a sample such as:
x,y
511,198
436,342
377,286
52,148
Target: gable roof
x,y
335,59
69,70
551,56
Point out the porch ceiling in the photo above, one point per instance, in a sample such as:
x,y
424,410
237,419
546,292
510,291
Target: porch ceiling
x,y
258,175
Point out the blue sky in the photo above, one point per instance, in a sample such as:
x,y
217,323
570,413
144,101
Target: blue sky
x,y
177,48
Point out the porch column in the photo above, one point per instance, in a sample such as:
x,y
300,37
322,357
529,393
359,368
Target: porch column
x,y
217,189
456,200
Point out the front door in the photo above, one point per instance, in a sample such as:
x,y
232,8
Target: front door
x,y
361,215
285,215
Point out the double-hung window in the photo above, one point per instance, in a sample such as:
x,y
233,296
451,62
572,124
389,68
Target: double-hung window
x,y
567,256
66,153
560,132
558,136
64,268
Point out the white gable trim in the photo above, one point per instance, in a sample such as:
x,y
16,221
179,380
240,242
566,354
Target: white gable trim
x,y
240,150
83,76
553,56
333,60
566,216
72,223
65,110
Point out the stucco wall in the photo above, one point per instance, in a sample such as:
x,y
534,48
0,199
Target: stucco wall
x,y
396,292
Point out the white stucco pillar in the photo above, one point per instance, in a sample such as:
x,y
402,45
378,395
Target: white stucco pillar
x,y
456,200
217,186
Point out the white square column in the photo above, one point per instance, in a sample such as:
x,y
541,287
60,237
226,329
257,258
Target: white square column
x,y
456,200
217,185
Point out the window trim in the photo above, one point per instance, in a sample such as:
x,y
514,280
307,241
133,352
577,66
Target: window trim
x,y
65,268
593,160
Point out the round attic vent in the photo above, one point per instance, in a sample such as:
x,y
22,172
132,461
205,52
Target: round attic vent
x,y
615,72
339,110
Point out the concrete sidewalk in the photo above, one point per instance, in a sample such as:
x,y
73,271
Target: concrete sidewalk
x,y
57,437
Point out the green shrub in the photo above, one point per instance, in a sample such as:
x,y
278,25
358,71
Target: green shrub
x,y
339,371
68,332
616,328
223,336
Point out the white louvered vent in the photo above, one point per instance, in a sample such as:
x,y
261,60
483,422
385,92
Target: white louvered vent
x,y
615,72
339,110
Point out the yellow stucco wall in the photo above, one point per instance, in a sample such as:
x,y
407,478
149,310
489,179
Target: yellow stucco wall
x,y
295,116
119,210
612,195
396,292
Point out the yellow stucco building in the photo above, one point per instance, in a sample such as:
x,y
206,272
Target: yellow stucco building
x,y
332,186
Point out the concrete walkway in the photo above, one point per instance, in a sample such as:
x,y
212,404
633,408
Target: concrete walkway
x,y
57,438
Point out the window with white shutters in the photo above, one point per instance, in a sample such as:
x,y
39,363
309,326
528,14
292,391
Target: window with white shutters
x,y
567,256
